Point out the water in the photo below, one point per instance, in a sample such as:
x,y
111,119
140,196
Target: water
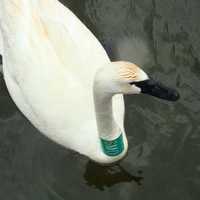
x,y
164,138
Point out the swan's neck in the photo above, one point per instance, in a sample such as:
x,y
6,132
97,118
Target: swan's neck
x,y
107,126
109,132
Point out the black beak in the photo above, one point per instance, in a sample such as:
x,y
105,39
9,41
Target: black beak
x,y
157,89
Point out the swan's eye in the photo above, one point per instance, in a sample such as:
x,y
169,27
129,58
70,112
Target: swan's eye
x,y
139,83
143,85
132,83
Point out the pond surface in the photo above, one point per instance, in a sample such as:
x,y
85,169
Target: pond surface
x,y
164,138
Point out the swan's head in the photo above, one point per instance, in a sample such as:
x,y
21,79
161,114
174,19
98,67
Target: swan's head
x,y
128,78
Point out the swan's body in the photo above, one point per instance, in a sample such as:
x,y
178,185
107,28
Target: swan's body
x,y
49,70
50,67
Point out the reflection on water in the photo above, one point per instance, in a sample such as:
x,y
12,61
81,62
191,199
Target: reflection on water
x,y
107,176
164,138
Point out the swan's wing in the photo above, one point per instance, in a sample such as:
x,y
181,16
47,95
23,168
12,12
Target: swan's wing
x,y
71,38
119,110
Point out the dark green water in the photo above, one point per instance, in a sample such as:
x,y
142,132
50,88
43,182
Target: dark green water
x,y
164,139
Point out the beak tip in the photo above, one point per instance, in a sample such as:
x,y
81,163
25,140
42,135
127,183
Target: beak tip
x,y
176,96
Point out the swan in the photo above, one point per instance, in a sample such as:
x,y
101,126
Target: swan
x,y
62,80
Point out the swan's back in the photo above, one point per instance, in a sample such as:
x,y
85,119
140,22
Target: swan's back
x,y
74,43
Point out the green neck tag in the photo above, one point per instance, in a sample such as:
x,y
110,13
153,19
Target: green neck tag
x,y
113,147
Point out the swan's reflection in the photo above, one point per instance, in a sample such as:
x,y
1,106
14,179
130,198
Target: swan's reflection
x,y
106,176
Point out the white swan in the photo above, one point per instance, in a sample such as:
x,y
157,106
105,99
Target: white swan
x,y
61,78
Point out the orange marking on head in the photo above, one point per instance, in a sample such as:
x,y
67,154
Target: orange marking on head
x,y
128,71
